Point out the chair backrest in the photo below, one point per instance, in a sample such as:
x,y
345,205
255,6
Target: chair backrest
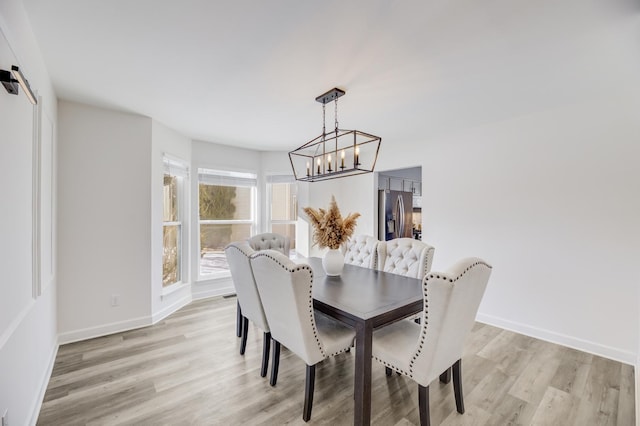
x,y
405,256
270,241
239,259
361,250
285,291
451,301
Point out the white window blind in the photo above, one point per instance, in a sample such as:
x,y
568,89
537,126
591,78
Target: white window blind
x,y
226,178
175,167
281,179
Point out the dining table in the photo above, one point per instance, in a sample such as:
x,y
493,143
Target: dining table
x,y
364,299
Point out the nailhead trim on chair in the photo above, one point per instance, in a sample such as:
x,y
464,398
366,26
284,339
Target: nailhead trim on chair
x,y
239,249
425,320
311,315
427,264
423,330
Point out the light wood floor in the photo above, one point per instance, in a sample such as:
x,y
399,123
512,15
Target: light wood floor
x,y
187,370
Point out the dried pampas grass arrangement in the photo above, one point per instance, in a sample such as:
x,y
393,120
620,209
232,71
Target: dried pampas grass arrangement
x,y
329,228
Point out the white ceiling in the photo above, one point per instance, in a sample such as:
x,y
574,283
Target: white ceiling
x,y
246,72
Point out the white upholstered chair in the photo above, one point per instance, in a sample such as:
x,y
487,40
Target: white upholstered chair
x,y
265,241
423,351
285,290
405,256
270,241
249,303
361,250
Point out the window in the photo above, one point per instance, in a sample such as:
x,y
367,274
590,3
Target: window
x,y
227,205
173,187
282,206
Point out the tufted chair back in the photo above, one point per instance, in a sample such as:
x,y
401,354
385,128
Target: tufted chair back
x,y
285,290
239,259
361,250
405,256
270,241
451,301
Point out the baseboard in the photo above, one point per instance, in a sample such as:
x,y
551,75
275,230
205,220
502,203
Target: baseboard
x,y
165,312
44,382
203,293
609,352
103,330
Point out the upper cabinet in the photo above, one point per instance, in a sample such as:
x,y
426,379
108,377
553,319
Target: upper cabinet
x,y
399,184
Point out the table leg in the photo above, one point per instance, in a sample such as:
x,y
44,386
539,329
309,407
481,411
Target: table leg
x,y
362,385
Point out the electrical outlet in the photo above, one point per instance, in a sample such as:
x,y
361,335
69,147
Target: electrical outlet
x,y
5,418
115,301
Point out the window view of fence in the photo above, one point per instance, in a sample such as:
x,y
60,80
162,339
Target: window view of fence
x,y
227,213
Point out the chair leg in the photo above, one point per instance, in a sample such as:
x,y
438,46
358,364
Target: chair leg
x,y
275,362
238,320
388,371
445,377
457,385
266,343
308,392
245,331
423,404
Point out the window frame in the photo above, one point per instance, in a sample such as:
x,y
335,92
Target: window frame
x,y
226,178
280,179
179,169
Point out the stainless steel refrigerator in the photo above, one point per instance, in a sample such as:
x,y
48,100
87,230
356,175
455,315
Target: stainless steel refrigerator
x,y
395,209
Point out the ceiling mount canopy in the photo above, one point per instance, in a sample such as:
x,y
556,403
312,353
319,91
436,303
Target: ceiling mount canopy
x,y
339,153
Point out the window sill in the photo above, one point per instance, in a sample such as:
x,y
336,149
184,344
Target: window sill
x,y
166,291
222,276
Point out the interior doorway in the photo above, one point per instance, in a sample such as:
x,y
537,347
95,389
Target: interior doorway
x,y
400,203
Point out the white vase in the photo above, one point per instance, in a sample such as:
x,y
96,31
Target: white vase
x,y
333,262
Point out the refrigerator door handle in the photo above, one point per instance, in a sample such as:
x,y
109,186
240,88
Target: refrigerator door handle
x,y
400,216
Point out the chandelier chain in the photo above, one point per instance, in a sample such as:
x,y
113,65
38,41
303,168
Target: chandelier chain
x,y
324,121
336,115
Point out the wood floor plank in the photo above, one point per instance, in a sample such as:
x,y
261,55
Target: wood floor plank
x,y
626,403
532,383
573,371
511,411
486,395
187,370
556,408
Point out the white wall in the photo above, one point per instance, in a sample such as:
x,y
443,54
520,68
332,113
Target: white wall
x,y
544,186
551,201
104,203
170,142
28,341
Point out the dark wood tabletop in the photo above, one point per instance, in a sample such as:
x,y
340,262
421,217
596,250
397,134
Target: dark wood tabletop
x,y
364,299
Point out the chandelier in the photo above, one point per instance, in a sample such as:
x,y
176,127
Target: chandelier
x,y
339,153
